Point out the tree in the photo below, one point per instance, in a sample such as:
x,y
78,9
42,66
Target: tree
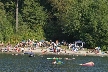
x,y
6,30
34,17
87,20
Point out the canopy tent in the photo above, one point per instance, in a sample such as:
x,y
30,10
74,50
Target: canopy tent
x,y
79,43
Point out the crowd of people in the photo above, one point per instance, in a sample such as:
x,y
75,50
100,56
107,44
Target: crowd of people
x,y
34,44
31,45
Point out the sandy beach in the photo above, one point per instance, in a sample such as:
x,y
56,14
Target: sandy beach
x,y
46,51
66,52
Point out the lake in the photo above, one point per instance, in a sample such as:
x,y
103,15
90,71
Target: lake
x,y
39,63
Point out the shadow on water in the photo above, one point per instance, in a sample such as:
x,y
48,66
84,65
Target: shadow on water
x,y
23,63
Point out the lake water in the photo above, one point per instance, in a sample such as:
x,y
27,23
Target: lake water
x,y
39,63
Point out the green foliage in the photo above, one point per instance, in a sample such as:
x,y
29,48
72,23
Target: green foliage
x,y
34,18
5,27
85,20
104,48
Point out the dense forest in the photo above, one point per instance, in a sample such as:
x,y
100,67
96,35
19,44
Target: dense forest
x,y
70,20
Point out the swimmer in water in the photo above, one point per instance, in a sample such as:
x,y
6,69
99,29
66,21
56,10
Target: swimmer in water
x,y
68,59
54,62
88,64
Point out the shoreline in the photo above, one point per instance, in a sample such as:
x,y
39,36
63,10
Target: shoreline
x,y
67,52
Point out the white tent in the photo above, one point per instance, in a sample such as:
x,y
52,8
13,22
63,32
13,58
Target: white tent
x,y
79,44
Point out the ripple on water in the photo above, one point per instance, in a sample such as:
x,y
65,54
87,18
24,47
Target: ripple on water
x,y
23,63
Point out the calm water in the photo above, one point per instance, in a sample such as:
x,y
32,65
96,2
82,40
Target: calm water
x,y
23,63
